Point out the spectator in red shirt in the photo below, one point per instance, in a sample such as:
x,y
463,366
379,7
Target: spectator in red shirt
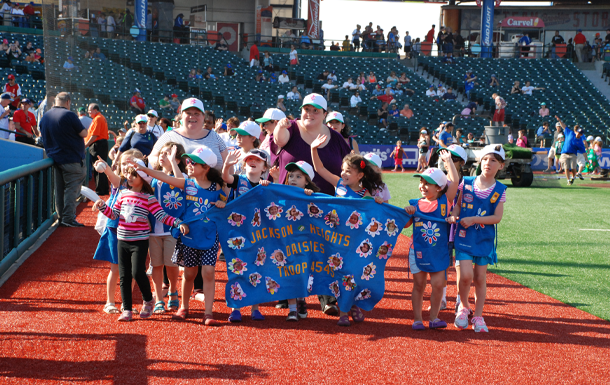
x,y
430,34
137,103
15,90
386,98
25,123
579,44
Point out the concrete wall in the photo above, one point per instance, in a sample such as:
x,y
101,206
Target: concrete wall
x,y
13,154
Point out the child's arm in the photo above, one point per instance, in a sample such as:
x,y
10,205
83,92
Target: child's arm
x,y
160,175
452,175
455,213
227,167
111,212
487,220
274,173
175,168
410,210
317,163
155,209
112,177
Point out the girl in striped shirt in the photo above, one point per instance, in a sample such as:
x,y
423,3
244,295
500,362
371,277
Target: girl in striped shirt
x,y
132,207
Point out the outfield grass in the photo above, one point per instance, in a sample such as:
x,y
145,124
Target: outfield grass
x,y
540,244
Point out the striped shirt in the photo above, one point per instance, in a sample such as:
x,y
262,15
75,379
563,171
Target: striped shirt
x,y
132,209
483,194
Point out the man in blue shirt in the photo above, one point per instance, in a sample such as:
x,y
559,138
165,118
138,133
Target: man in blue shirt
x,y
469,83
63,137
524,42
305,42
445,139
572,145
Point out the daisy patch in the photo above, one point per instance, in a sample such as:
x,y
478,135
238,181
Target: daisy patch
x,y
236,219
236,243
364,294
238,266
272,286
261,256
314,211
384,251
354,220
237,292
374,228
335,261
334,289
274,211
256,219
255,279
332,219
348,282
390,227
294,214
278,258
369,271
365,249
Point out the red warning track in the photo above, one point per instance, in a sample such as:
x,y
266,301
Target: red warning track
x,y
53,330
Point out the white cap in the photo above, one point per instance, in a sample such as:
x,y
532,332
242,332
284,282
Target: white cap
x,y
192,102
590,138
303,166
249,128
560,136
142,174
334,116
271,114
458,151
434,175
493,149
280,97
257,153
153,112
599,139
557,124
423,132
203,155
315,100
141,119
374,159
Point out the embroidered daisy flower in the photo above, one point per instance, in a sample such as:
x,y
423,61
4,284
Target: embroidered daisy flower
x,y
294,214
255,279
335,261
172,199
237,292
334,289
480,213
364,294
274,211
272,286
430,232
354,220
369,271
384,251
236,243
237,266
314,211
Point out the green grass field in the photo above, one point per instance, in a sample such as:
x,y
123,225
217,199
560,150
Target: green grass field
x,y
540,241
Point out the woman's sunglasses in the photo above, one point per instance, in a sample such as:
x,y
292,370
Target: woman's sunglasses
x,y
190,161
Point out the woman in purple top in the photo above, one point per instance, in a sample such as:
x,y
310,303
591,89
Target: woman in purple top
x,y
294,138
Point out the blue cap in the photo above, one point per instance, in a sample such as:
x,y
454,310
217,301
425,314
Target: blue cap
x,y
284,72
224,126
70,58
6,95
137,90
228,65
580,30
260,71
273,74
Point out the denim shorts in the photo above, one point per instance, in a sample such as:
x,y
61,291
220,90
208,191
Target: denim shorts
x,y
462,256
412,263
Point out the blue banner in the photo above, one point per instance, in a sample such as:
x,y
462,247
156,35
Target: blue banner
x,y
140,18
487,28
280,243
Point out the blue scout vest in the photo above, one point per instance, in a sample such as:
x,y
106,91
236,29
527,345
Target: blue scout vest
x,y
202,233
343,191
478,240
243,186
430,239
172,201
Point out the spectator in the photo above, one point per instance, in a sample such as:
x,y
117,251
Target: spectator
x,y
380,45
332,76
355,100
101,20
470,109
553,156
440,38
459,136
97,141
403,79
84,119
406,112
175,103
110,26
416,47
305,41
449,95
38,56
128,21
498,118
68,65
323,77
268,62
4,45
493,82
361,80
5,100
90,54
378,90
431,93
283,77
448,43
557,39
164,103
29,48
221,44
99,55
525,42
198,75
459,44
430,35
334,47
18,16
398,91
229,70
543,132
29,13
445,139
139,138
14,90
136,103
25,123
544,111
349,85
259,78
209,74
469,83
255,59
165,123
62,135
516,89
31,58
152,125
394,112
294,94
579,44
294,56
280,103
527,90
287,38
522,139
407,45
13,52
356,37
372,78
346,44
336,122
392,79
440,91
272,78
328,86
386,97
382,114
573,144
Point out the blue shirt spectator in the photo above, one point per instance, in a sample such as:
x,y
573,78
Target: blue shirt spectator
x,y
525,40
305,39
573,141
61,131
445,137
544,130
142,141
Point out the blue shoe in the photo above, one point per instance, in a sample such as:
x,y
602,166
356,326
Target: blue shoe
x,y
235,316
257,316
437,324
418,325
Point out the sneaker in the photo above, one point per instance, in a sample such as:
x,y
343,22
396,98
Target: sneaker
x,y
444,304
570,182
72,223
331,310
437,324
579,175
210,321
344,321
257,316
125,316
302,309
283,304
547,171
418,325
461,318
292,317
147,309
235,316
478,325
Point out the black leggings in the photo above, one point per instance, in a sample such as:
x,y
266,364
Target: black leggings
x,y
132,264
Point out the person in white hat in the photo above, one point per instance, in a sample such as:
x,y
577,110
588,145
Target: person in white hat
x,y
193,134
383,192
268,122
152,125
138,138
280,103
336,121
480,206
204,184
248,134
430,252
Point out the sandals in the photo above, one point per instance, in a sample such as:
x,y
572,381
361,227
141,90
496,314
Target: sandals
x,y
110,308
210,321
343,321
159,307
181,314
173,304
356,314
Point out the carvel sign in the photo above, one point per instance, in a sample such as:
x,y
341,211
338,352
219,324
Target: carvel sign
x,y
522,22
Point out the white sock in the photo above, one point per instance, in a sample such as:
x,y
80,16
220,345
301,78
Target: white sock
x,y
292,307
445,293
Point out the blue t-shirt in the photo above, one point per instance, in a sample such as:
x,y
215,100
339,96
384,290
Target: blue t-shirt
x,y
446,137
60,129
468,85
572,144
143,142
525,40
541,133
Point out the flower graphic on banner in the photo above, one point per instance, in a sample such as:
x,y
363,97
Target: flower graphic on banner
x,y
480,214
430,232
374,228
385,250
255,279
369,271
256,219
314,211
261,256
334,289
237,266
272,286
354,220
171,199
278,258
335,261
310,283
236,219
237,292
294,214
236,243
348,282
365,249
274,211
390,227
364,294
332,219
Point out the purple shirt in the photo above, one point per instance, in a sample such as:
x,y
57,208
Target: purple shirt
x,y
297,149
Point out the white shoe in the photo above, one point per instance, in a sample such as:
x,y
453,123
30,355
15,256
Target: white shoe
x,y
461,319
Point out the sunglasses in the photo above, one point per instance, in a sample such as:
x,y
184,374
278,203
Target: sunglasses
x,y
190,161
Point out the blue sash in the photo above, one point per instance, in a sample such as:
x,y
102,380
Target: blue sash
x,y
243,186
172,201
431,239
344,191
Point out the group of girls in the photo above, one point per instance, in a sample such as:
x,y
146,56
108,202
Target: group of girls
x,y
187,185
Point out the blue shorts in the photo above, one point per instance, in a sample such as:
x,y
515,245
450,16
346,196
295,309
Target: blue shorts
x,y
412,263
481,261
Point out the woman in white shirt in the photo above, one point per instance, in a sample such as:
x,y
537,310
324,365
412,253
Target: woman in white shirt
x,y
431,93
355,100
294,57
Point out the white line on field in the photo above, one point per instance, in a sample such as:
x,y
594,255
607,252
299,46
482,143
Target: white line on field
x,y
594,229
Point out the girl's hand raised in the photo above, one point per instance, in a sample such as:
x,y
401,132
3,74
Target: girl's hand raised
x,y
379,200
218,124
445,156
232,158
274,172
174,150
320,140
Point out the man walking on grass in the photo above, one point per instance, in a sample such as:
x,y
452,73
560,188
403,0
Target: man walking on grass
x,y
572,145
